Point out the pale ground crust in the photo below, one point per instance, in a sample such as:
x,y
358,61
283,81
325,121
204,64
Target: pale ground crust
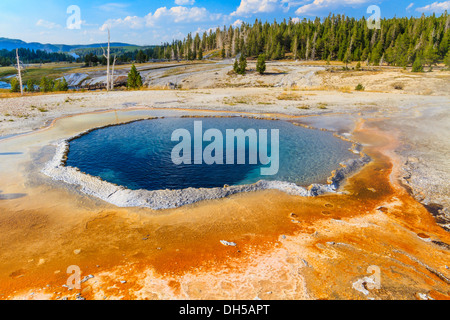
x,y
288,247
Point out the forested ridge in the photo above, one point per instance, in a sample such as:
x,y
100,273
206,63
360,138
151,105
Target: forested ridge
x,y
8,57
399,41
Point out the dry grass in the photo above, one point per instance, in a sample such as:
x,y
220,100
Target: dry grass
x,y
237,100
427,92
5,94
290,96
345,89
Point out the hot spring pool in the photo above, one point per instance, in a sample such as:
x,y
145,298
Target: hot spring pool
x,y
138,155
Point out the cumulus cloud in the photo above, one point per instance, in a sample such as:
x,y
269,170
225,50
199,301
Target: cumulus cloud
x,y
184,2
237,23
132,22
47,24
177,14
436,7
249,7
318,5
180,14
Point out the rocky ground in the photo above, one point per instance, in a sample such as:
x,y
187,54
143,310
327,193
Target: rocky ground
x,y
409,109
413,101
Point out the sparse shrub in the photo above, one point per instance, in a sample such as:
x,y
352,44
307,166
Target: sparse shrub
x,y
360,87
417,66
398,86
358,66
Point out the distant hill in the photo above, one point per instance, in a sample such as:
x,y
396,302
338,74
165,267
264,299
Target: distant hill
x,y
11,44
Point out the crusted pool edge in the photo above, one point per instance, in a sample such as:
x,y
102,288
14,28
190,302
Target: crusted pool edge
x,y
168,199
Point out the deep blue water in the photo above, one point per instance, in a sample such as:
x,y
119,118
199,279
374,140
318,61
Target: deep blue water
x,y
138,155
4,85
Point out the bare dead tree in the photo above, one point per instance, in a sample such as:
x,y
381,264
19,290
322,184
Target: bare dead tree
x,y
107,56
112,73
19,67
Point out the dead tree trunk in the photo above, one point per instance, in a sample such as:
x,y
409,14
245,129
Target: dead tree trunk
x,y
107,61
18,69
112,73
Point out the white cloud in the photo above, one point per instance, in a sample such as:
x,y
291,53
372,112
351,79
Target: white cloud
x,y
132,22
296,20
178,14
184,2
410,6
248,7
47,24
181,14
318,5
237,23
436,7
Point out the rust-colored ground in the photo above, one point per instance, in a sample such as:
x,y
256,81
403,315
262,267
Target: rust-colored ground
x,y
287,247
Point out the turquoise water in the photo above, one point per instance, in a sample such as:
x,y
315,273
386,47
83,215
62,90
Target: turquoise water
x,y
138,155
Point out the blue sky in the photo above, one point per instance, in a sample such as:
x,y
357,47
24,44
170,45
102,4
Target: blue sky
x,y
146,22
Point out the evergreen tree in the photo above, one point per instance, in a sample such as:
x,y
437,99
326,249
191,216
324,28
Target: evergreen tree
x,y
56,86
134,80
63,85
140,57
236,66
46,85
261,64
417,66
30,86
447,60
399,42
15,85
430,55
242,65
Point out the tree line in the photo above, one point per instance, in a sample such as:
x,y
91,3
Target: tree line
x,y
45,85
8,58
399,41
94,57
